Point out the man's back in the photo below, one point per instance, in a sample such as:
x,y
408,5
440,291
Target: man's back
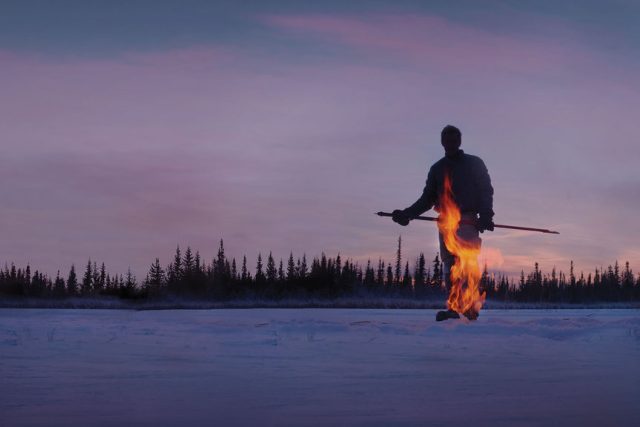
x,y
470,181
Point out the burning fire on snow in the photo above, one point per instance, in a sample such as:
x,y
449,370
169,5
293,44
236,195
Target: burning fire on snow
x,y
465,297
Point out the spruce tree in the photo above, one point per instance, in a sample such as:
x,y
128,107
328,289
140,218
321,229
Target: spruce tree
x,y
175,270
95,277
369,277
72,281
58,286
220,265
419,276
627,282
156,276
188,264
129,284
271,270
485,283
436,277
259,273
380,275
291,269
406,280
198,264
302,271
245,273
227,271
398,261
86,279
102,278
281,275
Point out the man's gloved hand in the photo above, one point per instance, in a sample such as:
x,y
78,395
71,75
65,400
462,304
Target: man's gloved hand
x,y
401,217
484,223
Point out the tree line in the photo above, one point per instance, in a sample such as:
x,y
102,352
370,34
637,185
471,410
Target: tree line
x,y
223,279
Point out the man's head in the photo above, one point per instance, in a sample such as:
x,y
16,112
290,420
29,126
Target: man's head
x,y
451,138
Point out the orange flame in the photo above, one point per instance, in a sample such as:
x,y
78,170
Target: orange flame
x,y
463,299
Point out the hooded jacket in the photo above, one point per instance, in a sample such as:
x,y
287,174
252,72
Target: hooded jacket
x,y
470,184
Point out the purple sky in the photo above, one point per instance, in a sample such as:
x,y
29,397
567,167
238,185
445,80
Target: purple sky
x,y
287,131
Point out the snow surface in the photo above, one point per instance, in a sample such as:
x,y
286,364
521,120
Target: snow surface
x,y
308,367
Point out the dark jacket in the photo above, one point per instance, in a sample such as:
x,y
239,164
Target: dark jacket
x,y
470,183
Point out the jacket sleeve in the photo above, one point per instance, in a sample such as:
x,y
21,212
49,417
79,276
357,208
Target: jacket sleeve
x,y
485,190
427,199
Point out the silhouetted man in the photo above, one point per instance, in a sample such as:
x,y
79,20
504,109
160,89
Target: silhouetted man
x,y
472,192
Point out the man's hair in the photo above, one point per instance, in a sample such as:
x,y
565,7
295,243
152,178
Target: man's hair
x,y
449,129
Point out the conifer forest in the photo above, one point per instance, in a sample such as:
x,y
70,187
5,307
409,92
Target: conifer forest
x,y
323,277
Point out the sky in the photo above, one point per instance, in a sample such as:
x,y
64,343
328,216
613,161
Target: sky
x,y
128,128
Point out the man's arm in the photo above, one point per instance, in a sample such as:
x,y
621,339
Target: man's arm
x,y
427,199
423,204
485,192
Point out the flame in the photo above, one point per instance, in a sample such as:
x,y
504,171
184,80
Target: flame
x,y
466,300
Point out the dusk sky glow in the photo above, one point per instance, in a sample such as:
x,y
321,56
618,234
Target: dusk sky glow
x,y
131,127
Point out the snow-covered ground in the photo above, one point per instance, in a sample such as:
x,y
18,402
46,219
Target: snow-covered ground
x,y
333,367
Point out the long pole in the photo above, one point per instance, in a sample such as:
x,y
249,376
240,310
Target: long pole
x,y
512,227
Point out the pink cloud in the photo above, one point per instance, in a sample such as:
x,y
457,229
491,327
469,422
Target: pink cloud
x,y
492,257
438,43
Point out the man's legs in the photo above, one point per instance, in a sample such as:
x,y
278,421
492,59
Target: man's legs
x,y
448,260
466,232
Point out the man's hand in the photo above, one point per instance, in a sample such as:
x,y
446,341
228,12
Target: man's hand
x,y
484,223
401,217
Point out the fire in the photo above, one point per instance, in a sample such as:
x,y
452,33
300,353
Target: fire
x,y
465,296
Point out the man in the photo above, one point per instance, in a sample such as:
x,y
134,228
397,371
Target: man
x,y
472,193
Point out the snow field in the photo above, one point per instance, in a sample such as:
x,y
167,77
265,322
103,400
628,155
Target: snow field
x,y
316,367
